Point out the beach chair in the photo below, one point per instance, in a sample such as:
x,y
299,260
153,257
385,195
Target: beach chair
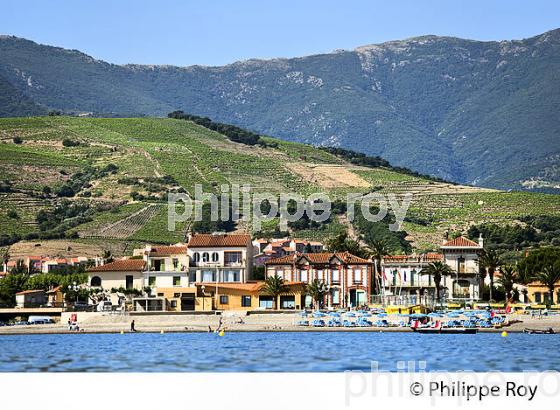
x,y
347,323
318,323
303,323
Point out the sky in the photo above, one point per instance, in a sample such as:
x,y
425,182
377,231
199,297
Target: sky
x,y
217,32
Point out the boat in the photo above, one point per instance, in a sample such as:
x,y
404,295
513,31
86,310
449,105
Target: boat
x,y
548,331
445,331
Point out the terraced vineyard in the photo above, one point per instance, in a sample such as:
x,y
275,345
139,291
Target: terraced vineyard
x,y
152,156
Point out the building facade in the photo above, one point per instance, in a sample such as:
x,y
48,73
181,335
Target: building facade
x,y
347,277
462,256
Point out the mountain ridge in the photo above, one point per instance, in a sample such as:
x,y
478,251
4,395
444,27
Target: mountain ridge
x,y
475,112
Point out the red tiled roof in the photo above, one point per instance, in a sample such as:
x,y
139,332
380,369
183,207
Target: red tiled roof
x,y
461,242
224,240
168,250
25,292
317,258
434,256
121,265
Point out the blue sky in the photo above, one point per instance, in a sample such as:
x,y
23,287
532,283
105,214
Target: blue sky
x,y
215,32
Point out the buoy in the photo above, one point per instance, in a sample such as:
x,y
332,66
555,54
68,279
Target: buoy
x,y
122,332
161,332
221,333
504,334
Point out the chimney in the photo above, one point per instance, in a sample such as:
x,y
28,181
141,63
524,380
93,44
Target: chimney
x,y
481,241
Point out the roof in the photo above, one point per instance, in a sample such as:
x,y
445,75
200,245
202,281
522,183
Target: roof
x,y
54,290
218,240
120,265
317,258
413,258
168,250
26,292
460,242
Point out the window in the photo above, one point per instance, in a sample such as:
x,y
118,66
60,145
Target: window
x,y
336,297
232,257
196,257
231,276
173,303
208,276
175,263
265,302
95,281
303,275
412,277
246,301
395,277
176,281
461,265
538,297
280,274
320,274
176,295
357,275
335,276
152,281
224,300
215,257
205,257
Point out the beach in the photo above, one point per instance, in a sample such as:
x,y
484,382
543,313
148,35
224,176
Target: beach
x,y
236,322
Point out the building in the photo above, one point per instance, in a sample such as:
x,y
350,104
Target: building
x,y
31,298
265,249
539,294
121,273
347,277
220,258
402,279
462,255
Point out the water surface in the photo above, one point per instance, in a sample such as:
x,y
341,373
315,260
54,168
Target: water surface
x,y
275,352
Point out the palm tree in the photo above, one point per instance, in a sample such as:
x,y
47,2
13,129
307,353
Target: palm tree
x,y
490,261
274,286
378,251
437,270
317,290
549,276
507,279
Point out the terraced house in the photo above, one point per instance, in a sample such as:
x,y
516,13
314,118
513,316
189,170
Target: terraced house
x,y
347,276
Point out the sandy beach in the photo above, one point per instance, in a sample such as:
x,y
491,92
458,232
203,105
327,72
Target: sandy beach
x,y
286,322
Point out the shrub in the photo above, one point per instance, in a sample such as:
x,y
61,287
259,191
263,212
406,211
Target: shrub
x,y
67,142
12,214
18,140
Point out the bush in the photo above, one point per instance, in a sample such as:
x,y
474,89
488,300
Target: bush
x,y
12,214
67,142
18,140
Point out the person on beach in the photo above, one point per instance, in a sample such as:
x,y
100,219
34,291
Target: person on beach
x,y
132,327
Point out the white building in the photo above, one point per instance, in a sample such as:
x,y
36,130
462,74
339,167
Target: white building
x,y
462,255
220,257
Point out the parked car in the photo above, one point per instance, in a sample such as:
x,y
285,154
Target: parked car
x,y
21,323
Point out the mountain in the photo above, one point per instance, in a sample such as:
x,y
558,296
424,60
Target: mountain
x,y
480,113
104,180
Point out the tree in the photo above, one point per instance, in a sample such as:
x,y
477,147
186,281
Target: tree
x,y
342,243
274,286
378,251
437,270
507,279
107,256
490,261
317,290
549,276
10,285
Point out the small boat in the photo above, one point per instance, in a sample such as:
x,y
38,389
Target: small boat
x,y
445,331
548,331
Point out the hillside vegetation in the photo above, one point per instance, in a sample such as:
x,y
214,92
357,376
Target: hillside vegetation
x,y
104,181
477,113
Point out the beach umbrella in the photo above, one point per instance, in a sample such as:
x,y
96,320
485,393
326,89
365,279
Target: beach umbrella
x,y
433,314
350,314
334,314
382,314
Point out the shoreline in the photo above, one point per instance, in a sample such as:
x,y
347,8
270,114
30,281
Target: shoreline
x,y
101,323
